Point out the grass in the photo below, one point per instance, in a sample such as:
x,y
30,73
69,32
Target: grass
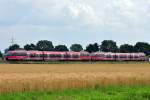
x,y
96,93
1,61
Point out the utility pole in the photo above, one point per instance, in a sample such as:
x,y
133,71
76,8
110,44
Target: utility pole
x,y
12,40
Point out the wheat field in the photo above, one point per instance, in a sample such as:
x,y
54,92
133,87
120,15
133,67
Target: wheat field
x,y
32,77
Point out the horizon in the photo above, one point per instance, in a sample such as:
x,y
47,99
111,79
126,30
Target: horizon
x,y
74,21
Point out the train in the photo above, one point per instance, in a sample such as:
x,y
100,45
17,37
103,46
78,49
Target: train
x,y
23,55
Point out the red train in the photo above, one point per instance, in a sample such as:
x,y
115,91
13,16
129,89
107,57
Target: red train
x,y
72,56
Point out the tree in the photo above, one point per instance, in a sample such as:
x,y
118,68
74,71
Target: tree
x,y
45,45
89,48
61,48
108,46
76,47
6,50
126,48
92,48
95,47
13,47
142,47
30,47
1,54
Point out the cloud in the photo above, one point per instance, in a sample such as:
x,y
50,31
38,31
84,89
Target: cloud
x,y
111,14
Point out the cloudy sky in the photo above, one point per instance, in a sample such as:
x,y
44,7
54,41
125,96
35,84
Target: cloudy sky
x,y
74,21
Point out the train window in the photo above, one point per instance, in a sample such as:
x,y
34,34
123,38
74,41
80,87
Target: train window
x,y
136,56
9,54
92,54
100,55
41,55
21,54
34,55
131,56
142,56
68,56
31,55
17,54
55,55
123,56
45,55
114,56
75,56
65,56
84,54
108,56
59,55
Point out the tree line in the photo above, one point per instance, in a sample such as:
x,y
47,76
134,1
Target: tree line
x,y
105,46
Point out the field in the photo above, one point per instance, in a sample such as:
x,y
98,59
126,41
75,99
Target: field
x,y
27,78
21,77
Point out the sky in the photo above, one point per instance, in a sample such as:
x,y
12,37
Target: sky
x,y
74,21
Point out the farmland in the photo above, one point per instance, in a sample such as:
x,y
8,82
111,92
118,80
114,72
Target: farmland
x,y
53,77
28,77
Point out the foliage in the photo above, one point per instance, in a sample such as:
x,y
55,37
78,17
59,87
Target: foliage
x,y
126,48
76,47
1,54
92,48
142,47
13,47
45,45
30,47
108,46
96,93
61,48
6,50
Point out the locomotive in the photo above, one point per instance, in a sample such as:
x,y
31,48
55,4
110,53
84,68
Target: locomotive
x,y
23,55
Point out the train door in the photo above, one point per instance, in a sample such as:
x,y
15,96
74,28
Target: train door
x,y
63,56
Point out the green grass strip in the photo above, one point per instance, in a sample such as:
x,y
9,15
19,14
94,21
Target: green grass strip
x,y
97,93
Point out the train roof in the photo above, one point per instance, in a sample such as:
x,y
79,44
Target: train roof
x,y
17,51
71,52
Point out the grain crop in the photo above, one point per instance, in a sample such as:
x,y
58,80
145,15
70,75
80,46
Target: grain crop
x,y
32,77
